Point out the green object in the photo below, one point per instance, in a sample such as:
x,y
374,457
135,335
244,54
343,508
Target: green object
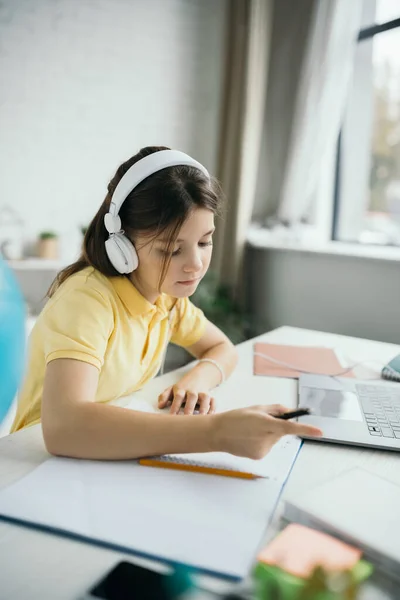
x,y
215,301
47,235
272,583
180,582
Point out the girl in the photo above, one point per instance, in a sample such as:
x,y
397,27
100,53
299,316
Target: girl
x,y
105,328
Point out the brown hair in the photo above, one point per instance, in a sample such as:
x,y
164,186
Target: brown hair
x,y
159,204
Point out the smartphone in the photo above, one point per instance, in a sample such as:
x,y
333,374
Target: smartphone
x,y
127,581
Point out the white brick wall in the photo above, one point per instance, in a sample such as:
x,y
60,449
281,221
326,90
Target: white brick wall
x,y
86,83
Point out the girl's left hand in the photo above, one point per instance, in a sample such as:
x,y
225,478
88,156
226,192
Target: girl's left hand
x,y
190,400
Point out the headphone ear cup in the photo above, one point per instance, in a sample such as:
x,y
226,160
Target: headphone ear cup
x,y
129,251
121,253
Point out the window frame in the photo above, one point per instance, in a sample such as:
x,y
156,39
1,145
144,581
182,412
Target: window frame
x,y
365,34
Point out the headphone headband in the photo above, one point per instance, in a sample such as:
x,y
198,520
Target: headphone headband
x,y
120,250
141,170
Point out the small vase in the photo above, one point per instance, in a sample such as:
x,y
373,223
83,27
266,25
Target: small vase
x,y
48,249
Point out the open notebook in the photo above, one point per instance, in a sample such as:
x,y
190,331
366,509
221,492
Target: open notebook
x,y
214,524
277,461
221,463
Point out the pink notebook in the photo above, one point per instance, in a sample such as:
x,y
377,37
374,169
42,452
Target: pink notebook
x,y
322,361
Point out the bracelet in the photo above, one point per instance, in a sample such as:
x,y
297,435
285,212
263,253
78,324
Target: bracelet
x,y
216,364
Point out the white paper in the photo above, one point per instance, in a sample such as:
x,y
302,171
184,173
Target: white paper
x,y
358,506
209,522
274,466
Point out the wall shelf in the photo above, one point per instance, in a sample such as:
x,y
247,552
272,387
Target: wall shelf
x,y
36,264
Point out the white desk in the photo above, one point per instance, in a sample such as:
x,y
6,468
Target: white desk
x,y
38,565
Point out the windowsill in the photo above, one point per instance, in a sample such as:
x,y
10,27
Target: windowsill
x,y
36,264
263,238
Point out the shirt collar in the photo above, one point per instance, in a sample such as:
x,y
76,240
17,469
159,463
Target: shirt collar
x,y
137,304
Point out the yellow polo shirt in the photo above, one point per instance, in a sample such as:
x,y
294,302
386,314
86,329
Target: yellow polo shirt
x,y
106,322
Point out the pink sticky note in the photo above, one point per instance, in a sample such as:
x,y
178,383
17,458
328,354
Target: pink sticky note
x,y
298,550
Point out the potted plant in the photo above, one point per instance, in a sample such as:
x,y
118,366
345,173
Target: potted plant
x,y
48,245
215,301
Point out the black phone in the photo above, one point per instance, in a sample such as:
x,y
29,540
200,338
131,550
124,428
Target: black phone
x,y
127,581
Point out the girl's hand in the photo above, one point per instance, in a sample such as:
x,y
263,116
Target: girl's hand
x,y
251,432
189,399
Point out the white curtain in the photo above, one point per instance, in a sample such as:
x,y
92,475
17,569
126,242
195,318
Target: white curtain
x,y
324,81
247,52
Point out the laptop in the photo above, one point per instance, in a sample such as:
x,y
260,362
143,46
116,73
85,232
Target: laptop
x,y
352,411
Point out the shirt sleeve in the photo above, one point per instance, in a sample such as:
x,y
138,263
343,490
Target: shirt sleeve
x,y
78,325
189,323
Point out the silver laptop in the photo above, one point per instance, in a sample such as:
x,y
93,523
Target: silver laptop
x,y
351,411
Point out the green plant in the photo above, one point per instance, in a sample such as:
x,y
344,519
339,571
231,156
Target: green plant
x,y
215,301
273,583
83,229
323,584
48,235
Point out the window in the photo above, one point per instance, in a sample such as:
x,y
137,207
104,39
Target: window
x,y
367,198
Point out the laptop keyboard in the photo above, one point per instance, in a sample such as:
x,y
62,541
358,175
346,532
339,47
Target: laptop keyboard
x,y
381,407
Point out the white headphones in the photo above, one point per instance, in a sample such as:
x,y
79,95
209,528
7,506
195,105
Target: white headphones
x,y
120,250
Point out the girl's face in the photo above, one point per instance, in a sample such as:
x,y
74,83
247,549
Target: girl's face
x,y
190,258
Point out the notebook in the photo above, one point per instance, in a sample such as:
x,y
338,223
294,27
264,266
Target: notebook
x,y
221,463
213,524
360,508
392,369
322,361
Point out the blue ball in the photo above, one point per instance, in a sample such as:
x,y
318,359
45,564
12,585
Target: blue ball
x,y
12,338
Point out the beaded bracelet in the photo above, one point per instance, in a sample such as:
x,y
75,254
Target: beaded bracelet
x,y
216,364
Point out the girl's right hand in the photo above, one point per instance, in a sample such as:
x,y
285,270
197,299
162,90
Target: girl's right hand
x,y
251,432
